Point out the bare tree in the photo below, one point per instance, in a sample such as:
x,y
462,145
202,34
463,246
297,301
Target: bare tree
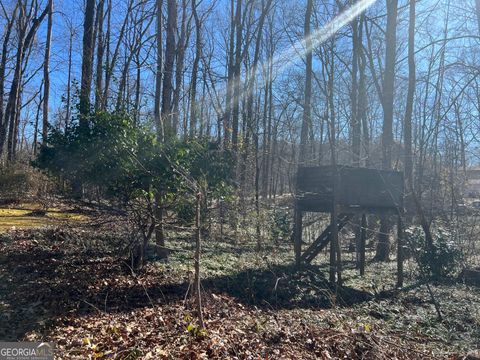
x,y
196,61
180,59
100,52
355,119
166,113
170,52
28,22
409,105
46,72
69,75
111,60
3,63
383,246
158,73
306,119
87,60
236,74
230,76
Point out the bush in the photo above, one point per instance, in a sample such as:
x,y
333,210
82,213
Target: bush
x,y
124,159
185,212
281,225
20,183
13,185
102,154
441,261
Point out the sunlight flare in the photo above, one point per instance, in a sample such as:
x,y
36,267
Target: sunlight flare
x,y
300,49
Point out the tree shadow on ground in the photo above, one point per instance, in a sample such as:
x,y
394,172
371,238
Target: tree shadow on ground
x,y
286,287
41,283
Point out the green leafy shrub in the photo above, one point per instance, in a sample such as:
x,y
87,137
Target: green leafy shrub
x,y
185,211
281,225
439,261
125,161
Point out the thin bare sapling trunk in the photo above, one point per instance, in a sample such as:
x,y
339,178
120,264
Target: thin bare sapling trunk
x,y
198,234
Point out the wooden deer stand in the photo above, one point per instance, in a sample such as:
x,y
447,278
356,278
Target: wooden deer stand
x,y
344,192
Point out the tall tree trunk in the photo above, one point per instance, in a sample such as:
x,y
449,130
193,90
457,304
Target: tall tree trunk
x,y
69,79
272,131
250,114
107,54
110,65
46,72
166,114
335,255
236,75
230,78
13,127
180,55
158,74
383,246
355,121
355,125
159,234
138,82
24,42
87,61
304,156
267,120
362,95
100,52
10,110
170,51
409,108
37,119
193,84
3,63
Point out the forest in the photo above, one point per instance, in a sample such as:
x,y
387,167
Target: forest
x,y
240,179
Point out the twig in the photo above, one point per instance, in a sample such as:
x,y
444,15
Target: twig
x,y
105,302
96,308
432,296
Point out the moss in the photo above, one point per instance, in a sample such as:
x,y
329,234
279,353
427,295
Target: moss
x,y
20,222
8,212
21,217
67,216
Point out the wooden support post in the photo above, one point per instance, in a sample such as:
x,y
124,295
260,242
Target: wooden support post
x,y
333,245
297,234
354,245
335,256
400,252
363,239
358,234
339,253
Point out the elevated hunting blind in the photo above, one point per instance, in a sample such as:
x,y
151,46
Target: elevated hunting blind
x,y
357,189
344,192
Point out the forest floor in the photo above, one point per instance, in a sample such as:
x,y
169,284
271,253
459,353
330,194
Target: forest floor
x,y
67,284
33,215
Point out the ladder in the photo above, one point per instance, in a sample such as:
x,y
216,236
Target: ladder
x,y
322,241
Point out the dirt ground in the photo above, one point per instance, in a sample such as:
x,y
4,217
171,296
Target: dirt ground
x,y
68,282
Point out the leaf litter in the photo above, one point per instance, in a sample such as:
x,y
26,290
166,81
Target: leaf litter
x,y
89,303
